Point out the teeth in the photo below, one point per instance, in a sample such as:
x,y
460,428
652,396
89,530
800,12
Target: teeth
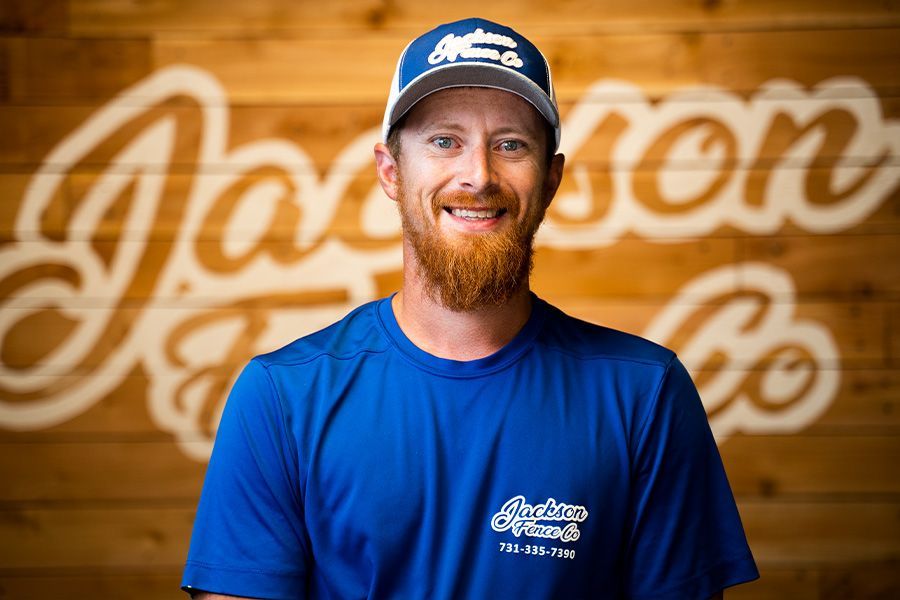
x,y
474,214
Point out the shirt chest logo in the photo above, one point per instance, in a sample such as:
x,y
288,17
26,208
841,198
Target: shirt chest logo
x,y
550,520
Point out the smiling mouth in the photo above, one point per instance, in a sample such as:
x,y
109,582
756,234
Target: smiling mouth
x,y
476,215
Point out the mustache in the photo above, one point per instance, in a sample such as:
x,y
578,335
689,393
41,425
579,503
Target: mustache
x,y
492,200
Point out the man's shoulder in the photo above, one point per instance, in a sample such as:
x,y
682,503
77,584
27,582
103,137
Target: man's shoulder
x,y
585,340
357,333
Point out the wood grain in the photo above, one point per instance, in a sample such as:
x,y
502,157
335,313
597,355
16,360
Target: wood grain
x,y
266,71
829,532
91,471
147,536
810,465
331,71
136,584
860,266
282,17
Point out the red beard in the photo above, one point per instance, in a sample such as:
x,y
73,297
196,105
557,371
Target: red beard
x,y
477,270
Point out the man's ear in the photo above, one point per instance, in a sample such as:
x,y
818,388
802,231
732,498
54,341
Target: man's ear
x,y
554,178
387,170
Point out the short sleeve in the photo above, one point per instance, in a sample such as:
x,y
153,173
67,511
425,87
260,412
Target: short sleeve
x,y
249,538
686,538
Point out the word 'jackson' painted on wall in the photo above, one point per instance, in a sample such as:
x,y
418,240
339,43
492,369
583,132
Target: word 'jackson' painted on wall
x,y
254,247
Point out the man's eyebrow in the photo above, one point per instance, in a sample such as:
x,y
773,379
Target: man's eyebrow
x,y
432,126
528,132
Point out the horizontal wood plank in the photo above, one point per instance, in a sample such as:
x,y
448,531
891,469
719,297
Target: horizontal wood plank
x,y
266,71
86,538
81,68
809,465
282,17
90,583
823,533
610,272
333,71
74,472
119,415
869,402
864,266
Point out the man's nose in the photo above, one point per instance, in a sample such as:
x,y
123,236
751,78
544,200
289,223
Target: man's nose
x,y
477,171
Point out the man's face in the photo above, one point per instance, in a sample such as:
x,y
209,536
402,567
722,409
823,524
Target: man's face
x,y
474,185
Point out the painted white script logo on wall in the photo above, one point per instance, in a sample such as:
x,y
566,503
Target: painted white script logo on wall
x,y
452,47
751,325
259,251
551,520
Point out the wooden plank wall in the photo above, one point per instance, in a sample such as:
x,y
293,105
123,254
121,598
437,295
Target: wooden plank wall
x,y
184,184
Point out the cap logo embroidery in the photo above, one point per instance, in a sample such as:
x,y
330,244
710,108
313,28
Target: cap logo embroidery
x,y
452,47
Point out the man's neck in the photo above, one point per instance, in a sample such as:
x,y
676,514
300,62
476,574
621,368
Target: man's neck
x,y
458,335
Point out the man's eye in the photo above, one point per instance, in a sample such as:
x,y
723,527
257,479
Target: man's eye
x,y
510,145
444,143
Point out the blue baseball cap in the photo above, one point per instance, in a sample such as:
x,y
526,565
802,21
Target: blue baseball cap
x,y
471,52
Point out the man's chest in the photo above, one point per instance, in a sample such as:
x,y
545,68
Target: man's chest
x,y
516,479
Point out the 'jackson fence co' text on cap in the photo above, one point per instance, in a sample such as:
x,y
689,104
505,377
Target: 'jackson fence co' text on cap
x,y
471,52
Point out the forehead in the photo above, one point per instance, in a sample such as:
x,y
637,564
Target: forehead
x,y
464,107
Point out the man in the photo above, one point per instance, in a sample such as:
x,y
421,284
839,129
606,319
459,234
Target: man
x,y
464,439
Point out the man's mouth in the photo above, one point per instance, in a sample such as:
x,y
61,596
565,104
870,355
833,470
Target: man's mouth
x,y
476,215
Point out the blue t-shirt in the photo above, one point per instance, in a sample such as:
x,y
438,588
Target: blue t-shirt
x,y
576,462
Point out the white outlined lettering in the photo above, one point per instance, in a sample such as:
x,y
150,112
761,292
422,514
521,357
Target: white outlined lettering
x,y
523,519
187,389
